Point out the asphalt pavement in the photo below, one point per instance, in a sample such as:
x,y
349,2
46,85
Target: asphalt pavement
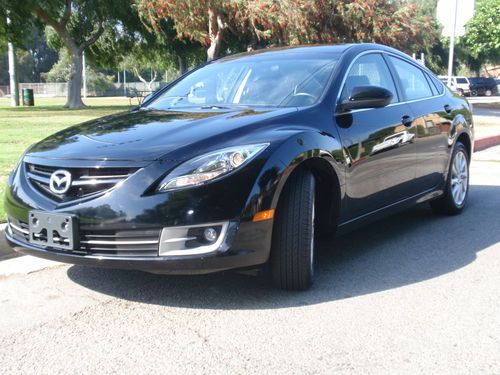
x,y
413,293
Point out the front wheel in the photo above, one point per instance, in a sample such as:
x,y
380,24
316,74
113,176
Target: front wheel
x,y
488,92
292,254
452,202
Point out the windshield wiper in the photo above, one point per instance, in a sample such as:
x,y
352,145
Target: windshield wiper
x,y
214,107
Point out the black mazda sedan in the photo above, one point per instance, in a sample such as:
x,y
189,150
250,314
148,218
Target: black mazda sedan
x,y
243,161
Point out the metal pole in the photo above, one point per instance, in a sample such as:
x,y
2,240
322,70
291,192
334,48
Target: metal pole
x,y
14,84
452,44
84,74
422,58
124,83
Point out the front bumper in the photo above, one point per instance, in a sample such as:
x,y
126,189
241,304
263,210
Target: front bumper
x,y
248,249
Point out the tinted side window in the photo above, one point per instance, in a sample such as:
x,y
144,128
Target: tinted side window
x,y
438,84
429,82
412,79
369,70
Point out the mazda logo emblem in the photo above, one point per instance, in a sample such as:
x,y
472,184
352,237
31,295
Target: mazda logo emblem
x,y
60,181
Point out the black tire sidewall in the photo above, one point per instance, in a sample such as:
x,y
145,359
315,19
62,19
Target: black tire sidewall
x,y
293,234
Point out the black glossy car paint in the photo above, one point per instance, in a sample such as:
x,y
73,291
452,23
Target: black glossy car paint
x,y
355,186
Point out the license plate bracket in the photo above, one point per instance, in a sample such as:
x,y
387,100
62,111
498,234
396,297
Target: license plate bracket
x,y
59,231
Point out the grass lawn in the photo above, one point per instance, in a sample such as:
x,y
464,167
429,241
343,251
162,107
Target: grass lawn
x,y
23,126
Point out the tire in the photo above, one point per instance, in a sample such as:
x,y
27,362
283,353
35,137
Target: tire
x,y
454,199
292,254
488,93
461,92
473,93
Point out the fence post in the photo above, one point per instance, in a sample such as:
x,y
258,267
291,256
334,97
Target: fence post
x,y
124,82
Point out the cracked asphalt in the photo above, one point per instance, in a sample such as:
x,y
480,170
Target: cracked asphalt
x,y
413,293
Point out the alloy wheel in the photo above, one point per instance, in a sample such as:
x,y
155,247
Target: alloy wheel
x,y
459,178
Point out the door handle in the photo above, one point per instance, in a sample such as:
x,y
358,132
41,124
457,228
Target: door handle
x,y
407,120
448,108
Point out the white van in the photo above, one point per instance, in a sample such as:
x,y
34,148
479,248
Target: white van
x,y
459,84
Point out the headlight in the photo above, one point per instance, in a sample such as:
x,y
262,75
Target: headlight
x,y
205,168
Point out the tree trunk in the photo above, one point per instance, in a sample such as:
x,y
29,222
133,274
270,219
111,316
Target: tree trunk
x,y
74,99
182,64
143,80
215,29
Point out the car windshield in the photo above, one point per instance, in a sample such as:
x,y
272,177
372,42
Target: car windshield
x,y
284,82
461,80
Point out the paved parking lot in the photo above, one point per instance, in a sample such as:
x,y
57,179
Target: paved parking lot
x,y
414,293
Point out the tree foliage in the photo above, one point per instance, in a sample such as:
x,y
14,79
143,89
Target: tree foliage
x,y
483,31
203,21
97,83
402,24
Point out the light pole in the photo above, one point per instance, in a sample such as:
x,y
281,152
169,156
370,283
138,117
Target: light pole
x,y
14,84
84,74
452,42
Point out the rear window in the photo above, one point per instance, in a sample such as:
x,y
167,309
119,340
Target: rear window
x,y
412,79
438,83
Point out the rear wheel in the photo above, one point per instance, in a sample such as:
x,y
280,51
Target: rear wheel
x,y
488,92
292,256
457,185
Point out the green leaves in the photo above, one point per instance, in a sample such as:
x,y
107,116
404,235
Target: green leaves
x,y
483,31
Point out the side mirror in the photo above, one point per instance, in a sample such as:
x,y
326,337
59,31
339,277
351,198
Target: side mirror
x,y
366,97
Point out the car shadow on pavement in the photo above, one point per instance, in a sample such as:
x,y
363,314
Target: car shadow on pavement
x,y
407,248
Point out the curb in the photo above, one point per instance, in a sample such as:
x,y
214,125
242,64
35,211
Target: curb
x,y
486,142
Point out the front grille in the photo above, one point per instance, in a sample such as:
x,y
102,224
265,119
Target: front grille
x,y
121,243
130,243
19,229
85,182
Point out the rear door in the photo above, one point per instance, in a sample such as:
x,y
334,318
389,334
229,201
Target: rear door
x,y
431,112
379,143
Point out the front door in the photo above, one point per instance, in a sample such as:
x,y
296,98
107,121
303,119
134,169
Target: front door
x,y
379,143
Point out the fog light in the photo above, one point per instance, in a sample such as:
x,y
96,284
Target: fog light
x,y
210,234
192,239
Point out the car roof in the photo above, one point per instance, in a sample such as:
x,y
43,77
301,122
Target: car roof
x,y
308,51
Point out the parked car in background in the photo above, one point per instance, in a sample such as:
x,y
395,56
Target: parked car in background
x,y
459,84
486,86
243,161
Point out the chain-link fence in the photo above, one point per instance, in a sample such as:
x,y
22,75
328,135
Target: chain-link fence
x,y
61,89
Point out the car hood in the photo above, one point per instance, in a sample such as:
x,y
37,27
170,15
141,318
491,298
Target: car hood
x,y
151,134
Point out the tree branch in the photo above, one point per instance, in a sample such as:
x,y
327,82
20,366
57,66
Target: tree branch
x,y
59,28
67,14
47,19
94,37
